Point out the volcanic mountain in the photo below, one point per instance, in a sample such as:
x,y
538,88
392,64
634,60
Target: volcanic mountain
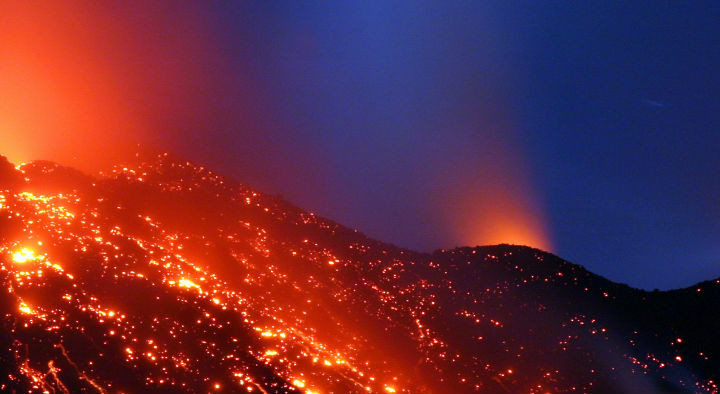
x,y
164,277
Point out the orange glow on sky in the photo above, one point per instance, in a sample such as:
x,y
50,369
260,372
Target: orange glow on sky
x,y
502,219
57,93
83,84
510,221
77,79
496,205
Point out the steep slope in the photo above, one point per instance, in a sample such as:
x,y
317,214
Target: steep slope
x,y
163,277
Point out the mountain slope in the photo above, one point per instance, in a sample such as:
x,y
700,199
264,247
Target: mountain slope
x,y
164,277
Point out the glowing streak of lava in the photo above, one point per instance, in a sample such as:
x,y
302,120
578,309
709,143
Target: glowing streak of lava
x,y
25,255
24,308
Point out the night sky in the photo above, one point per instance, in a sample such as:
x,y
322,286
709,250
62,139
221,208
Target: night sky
x,y
590,130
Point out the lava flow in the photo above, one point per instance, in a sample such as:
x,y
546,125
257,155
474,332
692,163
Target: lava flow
x,y
164,277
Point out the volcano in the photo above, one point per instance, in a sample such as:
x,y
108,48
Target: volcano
x,y
162,276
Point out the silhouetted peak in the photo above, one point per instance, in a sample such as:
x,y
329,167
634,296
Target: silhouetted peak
x,y
10,177
167,169
49,177
166,277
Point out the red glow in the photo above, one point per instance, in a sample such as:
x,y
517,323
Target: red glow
x,y
509,219
79,80
83,84
494,200
114,288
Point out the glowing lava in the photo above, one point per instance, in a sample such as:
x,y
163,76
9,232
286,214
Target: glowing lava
x,y
24,255
186,282
24,308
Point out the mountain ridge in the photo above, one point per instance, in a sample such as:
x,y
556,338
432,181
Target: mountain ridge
x,y
280,199
321,308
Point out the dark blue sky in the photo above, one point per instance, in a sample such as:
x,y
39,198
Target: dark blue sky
x,y
388,111
612,108
589,128
621,110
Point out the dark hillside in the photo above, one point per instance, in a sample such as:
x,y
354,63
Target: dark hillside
x,y
164,277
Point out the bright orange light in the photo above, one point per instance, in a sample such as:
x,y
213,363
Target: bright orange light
x,y
81,77
485,192
501,212
24,255
25,309
512,223
188,284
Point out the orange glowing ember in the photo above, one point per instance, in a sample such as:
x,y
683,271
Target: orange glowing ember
x,y
25,309
24,255
216,305
187,283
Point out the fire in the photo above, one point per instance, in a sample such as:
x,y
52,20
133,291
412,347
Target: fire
x,y
24,308
25,255
187,283
189,319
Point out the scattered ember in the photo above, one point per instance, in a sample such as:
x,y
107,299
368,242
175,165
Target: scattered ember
x,y
164,277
